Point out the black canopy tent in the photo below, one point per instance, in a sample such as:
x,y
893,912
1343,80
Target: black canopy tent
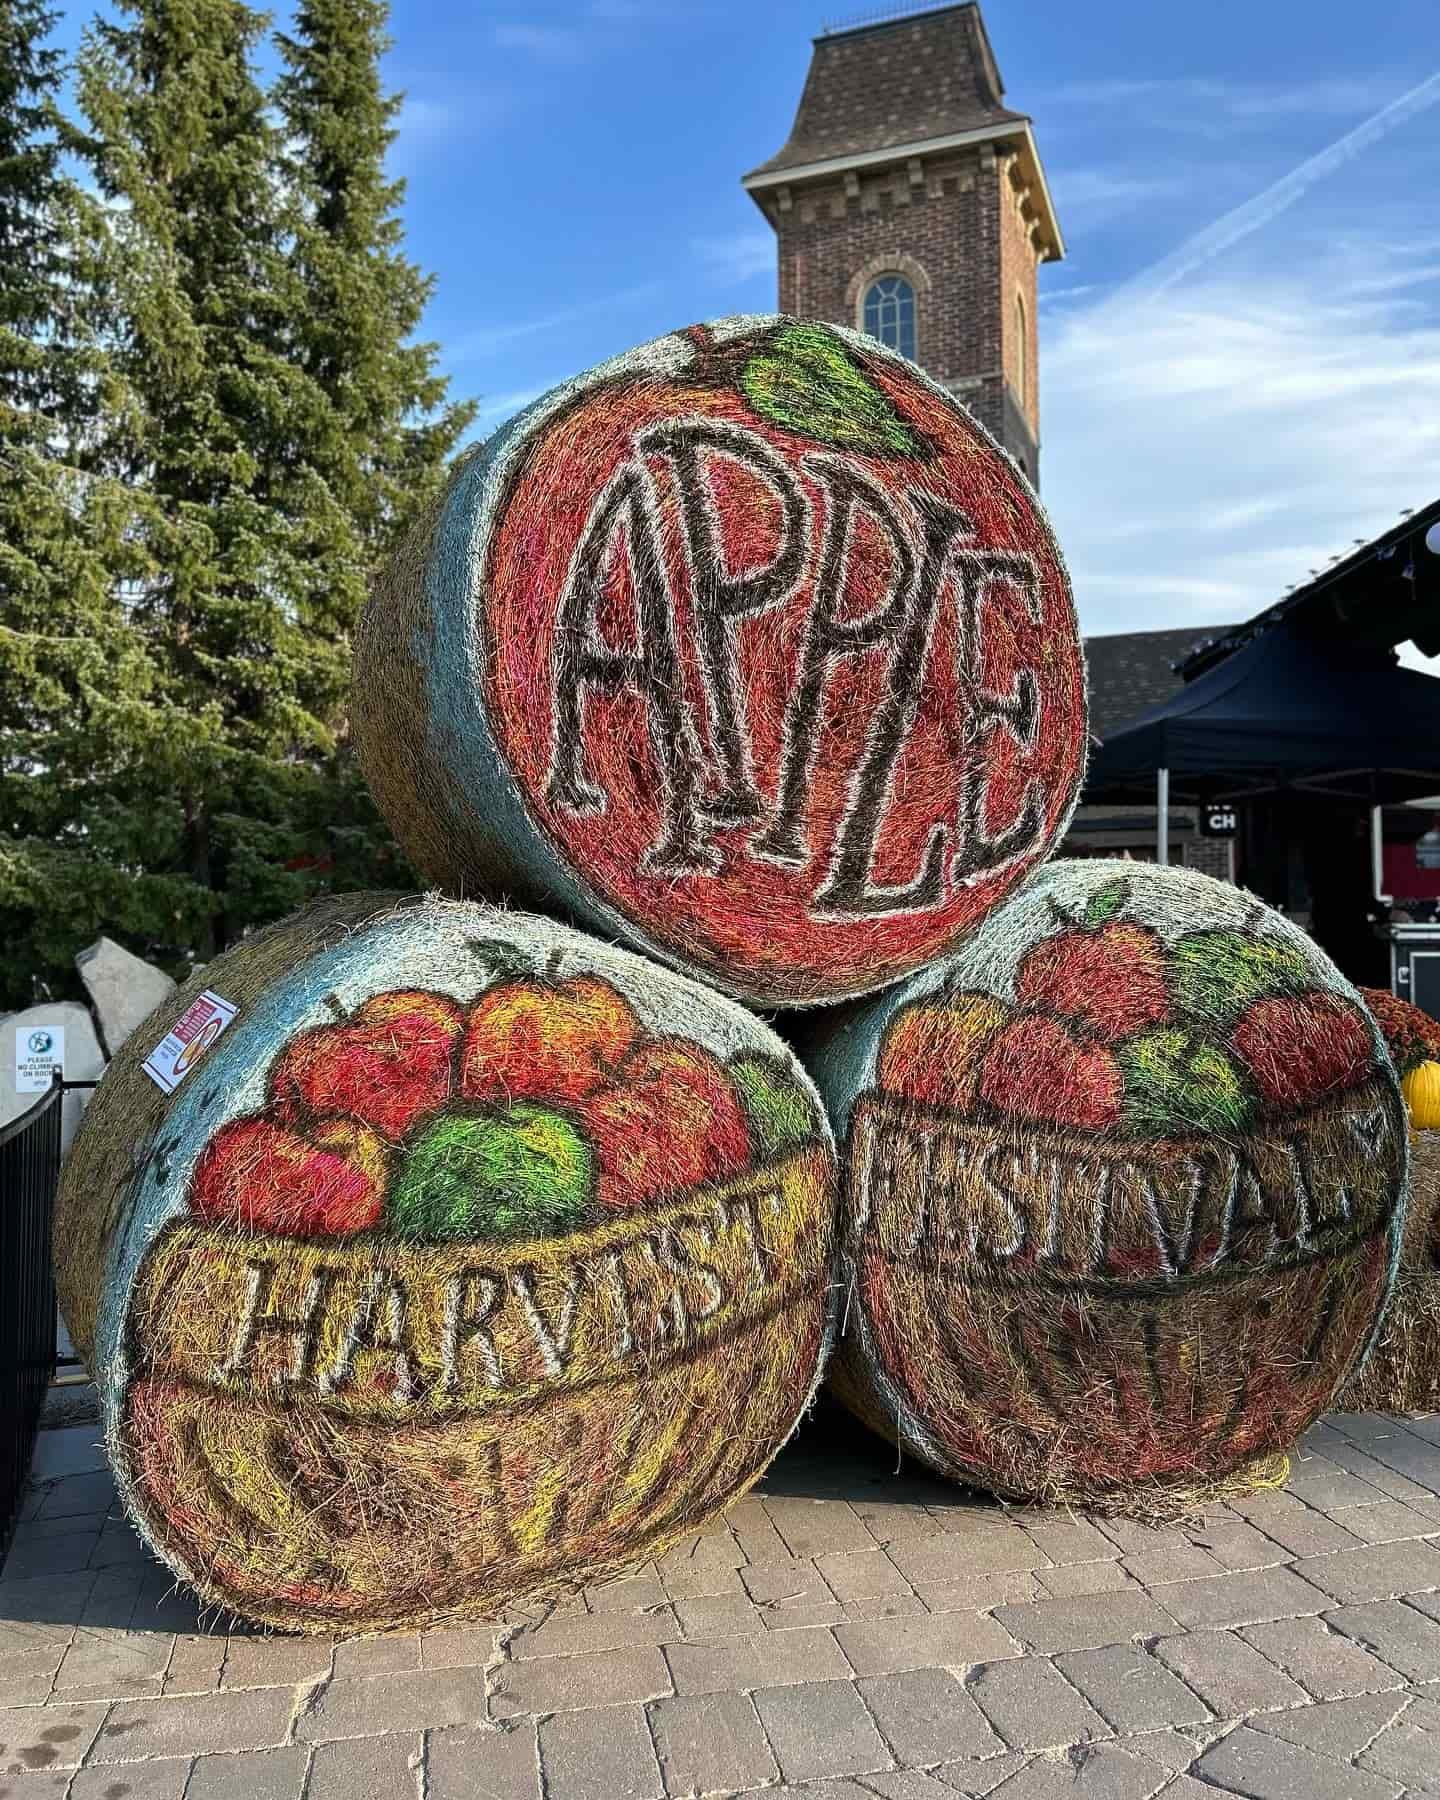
x,y
1293,708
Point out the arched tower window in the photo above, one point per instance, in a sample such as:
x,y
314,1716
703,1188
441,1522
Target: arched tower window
x,y
889,313
1022,344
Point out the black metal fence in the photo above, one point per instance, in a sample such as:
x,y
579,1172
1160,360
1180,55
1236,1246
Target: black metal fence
x,y
29,1170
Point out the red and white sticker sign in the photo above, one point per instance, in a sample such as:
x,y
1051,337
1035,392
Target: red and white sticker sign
x,y
189,1038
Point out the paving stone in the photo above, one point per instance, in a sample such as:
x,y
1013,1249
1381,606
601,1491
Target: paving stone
x,y
1263,1767
1069,1581
818,1527
710,1741
1176,1747
1067,1538
1180,1562
252,1775
39,1786
65,1555
1335,1728
1406,1751
456,1647
378,1655
112,1660
755,1531
820,1728
887,1606
118,1544
1131,1689
766,1660
1302,1530
894,1522
909,1784
926,1716
373,1768
368,1705
978,1593
1385,1523
543,1684
1376,1572
939,1640
1033,1706
195,1725
1236,1544
791,1593
195,1664
954,1556
481,1765
1325,1484
1229,1675
1327,1665
1088,1772
1185,1787
712,1551
819,1790
604,1755
276,1661
632,1594
1223,1601
861,1574
36,1738
1131,1536
1405,1453
163,1779
719,1615
1086,1623
976,1780
589,1632
1398,1633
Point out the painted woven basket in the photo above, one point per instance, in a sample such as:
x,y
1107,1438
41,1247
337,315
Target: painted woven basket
x,y
1123,1186
474,1260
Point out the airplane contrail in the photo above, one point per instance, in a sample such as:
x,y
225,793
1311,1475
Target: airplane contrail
x,y
1242,220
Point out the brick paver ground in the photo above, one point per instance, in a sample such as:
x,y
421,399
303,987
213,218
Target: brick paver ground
x,y
849,1633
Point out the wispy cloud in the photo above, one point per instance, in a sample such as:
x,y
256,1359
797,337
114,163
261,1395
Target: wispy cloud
x,y
1203,455
499,407
1267,205
1091,196
555,43
737,256
485,340
1187,103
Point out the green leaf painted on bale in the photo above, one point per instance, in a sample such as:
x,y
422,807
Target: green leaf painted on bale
x,y
777,1108
805,381
1177,1085
1107,903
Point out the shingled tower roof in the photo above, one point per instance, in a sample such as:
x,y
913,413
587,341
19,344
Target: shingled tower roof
x,y
902,81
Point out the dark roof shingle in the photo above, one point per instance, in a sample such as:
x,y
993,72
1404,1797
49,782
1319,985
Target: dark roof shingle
x,y
1130,671
926,76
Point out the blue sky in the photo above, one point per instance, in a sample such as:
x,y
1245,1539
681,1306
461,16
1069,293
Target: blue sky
x,y
1222,407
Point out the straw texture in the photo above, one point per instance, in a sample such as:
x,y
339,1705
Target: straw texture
x,y
1123,1188
475,1259
749,646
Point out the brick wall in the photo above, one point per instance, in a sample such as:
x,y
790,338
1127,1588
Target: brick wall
x,y
955,216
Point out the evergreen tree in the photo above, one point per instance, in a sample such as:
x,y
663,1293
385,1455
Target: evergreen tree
x,y
72,689
358,301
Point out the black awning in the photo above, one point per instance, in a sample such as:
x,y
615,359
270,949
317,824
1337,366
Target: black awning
x,y
1292,706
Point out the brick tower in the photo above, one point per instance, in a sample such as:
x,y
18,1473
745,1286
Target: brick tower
x,y
910,201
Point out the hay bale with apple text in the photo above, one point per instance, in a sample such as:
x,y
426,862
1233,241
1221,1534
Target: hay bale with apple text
x,y
1123,1186
428,1256
749,647
1402,1372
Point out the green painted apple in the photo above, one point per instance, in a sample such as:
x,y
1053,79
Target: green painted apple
x,y
1177,1084
510,1173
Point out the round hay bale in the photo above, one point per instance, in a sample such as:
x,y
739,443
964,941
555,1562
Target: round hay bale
x,y
749,647
1123,1189
473,1258
1402,1372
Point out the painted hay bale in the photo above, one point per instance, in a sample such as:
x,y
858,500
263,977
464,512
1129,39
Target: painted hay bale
x,y
750,647
1123,1188
1402,1372
473,1259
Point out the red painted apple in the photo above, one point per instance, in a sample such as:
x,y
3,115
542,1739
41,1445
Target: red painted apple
x,y
1037,1070
255,1175
670,1120
1301,1049
931,1051
386,1066
1111,980
536,1040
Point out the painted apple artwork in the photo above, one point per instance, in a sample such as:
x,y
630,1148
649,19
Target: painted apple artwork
x,y
1123,1179
541,1109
